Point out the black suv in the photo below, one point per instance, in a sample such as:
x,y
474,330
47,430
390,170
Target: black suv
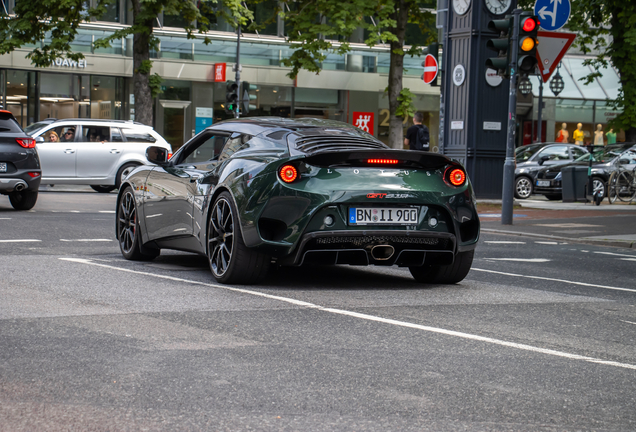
x,y
20,171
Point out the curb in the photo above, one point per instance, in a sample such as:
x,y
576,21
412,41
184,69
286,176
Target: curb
x,y
629,244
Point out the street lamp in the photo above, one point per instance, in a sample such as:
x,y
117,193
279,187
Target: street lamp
x,y
556,83
525,86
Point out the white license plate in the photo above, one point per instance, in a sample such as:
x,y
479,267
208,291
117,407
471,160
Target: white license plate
x,y
3,167
543,182
382,216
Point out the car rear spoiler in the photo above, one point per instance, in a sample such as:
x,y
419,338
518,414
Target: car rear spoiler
x,y
380,157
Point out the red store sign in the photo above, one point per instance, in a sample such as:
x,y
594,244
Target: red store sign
x,y
219,72
364,121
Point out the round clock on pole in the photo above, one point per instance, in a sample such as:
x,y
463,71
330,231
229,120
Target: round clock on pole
x,y
461,6
497,7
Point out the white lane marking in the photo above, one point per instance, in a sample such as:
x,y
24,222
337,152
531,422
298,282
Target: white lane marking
x,y
107,211
86,240
530,260
20,241
628,322
504,242
628,259
615,254
5,218
555,280
547,242
65,211
372,317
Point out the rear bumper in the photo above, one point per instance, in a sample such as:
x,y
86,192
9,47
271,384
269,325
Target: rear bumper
x,y
19,183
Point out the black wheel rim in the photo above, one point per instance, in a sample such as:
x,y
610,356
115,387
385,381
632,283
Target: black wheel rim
x,y
127,222
221,237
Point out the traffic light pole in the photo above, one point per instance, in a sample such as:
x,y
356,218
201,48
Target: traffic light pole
x,y
509,164
238,68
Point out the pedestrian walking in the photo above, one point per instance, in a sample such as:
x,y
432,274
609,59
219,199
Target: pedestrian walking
x,y
417,136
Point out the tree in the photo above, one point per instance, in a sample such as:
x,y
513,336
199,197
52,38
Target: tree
x,y
60,19
609,29
314,26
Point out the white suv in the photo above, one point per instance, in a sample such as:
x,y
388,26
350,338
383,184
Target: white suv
x,y
99,153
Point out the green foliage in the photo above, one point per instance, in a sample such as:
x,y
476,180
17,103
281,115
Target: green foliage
x,y
405,107
154,82
607,30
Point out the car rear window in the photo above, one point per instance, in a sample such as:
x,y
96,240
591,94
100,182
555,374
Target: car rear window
x,y
8,124
136,136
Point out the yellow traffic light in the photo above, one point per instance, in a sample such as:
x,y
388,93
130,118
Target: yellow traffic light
x,y
527,44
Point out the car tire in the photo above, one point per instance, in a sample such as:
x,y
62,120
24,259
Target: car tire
x,y
554,197
231,262
128,230
598,183
23,200
523,187
102,188
445,274
123,172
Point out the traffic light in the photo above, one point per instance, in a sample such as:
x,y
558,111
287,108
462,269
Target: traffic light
x,y
231,96
501,45
528,28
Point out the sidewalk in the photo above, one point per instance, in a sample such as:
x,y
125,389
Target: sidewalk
x,y
607,224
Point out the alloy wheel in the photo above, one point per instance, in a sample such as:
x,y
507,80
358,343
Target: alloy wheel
x,y
523,187
221,237
127,222
598,186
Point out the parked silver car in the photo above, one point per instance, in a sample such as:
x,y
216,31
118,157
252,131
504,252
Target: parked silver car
x,y
99,153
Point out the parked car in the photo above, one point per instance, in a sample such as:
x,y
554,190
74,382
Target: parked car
x,y
99,153
20,172
604,161
533,157
251,191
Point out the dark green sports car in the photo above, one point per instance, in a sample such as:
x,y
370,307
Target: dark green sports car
x,y
254,192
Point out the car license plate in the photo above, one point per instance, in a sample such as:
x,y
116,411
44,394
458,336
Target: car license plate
x,y
3,167
543,182
382,216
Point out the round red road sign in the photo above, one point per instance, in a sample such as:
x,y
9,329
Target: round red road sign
x,y
430,69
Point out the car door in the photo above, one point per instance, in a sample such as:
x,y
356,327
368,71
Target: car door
x,y
171,191
97,154
58,156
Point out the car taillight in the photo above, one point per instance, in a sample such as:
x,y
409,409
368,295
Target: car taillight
x,y
169,156
26,142
34,174
288,173
382,161
455,176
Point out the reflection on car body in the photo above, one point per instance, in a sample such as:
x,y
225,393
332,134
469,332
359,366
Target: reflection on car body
x,y
248,193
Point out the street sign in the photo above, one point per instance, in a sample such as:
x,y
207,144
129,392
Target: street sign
x,y
364,121
551,49
553,13
219,72
430,69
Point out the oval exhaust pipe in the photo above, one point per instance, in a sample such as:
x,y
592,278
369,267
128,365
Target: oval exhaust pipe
x,y
20,186
382,252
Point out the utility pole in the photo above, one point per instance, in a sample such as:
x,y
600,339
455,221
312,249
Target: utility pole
x,y
509,164
237,77
540,111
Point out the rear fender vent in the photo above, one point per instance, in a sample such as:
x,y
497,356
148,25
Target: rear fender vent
x,y
320,143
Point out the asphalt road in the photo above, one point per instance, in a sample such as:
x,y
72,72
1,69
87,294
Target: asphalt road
x,y
539,336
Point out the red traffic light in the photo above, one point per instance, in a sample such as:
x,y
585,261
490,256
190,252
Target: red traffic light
x,y
529,24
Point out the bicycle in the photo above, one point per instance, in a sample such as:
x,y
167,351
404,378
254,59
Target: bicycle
x,y
622,185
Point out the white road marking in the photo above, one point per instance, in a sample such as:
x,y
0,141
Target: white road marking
x,y
530,260
555,280
504,242
372,317
567,225
86,240
628,322
107,211
547,242
20,241
628,259
616,254
5,218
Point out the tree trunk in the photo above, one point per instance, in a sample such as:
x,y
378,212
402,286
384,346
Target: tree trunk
x,y
141,82
396,71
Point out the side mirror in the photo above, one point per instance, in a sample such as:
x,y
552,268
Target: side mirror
x,y
39,139
157,155
542,159
623,161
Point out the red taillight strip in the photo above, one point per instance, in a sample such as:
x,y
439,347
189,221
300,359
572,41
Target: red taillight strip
x,y
382,161
455,176
26,142
34,174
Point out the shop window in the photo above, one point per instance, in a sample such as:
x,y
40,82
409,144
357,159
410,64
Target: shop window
x,y
265,18
112,12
